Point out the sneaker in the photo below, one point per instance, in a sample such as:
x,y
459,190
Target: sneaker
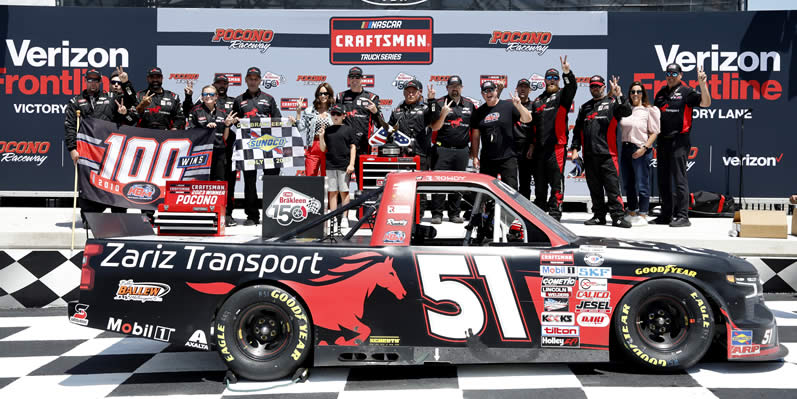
x,y
661,220
251,222
456,219
437,220
630,216
621,222
595,221
680,222
344,223
230,222
639,221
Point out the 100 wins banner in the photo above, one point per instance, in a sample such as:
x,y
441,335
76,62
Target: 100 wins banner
x,y
128,167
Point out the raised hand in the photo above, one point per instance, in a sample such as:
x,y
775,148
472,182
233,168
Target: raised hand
x,y
121,109
565,65
617,91
189,88
701,75
430,92
122,74
447,106
371,107
211,125
301,106
515,98
230,119
147,99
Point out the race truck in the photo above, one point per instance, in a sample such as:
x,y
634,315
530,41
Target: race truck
x,y
511,285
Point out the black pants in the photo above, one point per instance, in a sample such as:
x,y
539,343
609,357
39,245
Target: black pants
x,y
671,157
507,168
525,169
217,165
252,203
87,205
449,159
602,176
230,178
549,166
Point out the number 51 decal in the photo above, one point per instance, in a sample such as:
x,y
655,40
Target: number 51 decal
x,y
444,281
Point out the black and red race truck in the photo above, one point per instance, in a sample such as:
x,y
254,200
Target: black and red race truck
x,y
509,285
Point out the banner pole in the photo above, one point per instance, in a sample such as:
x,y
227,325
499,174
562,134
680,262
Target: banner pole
x,y
74,194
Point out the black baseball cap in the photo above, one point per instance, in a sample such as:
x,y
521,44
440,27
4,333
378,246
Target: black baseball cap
x,y
523,82
336,109
154,71
488,84
552,71
454,80
414,83
355,71
673,68
253,71
597,80
221,78
93,74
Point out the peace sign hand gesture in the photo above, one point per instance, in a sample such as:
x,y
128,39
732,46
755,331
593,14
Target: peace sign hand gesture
x,y
230,119
430,91
122,74
447,107
147,99
121,109
189,88
565,65
515,98
617,91
701,75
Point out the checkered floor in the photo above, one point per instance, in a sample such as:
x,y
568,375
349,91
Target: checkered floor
x,y
43,355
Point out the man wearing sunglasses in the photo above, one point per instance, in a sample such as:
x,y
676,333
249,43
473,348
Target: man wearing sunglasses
x,y
676,102
157,107
209,115
550,121
524,133
362,111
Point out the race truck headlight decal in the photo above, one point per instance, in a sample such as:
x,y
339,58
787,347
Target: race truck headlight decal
x,y
86,272
752,284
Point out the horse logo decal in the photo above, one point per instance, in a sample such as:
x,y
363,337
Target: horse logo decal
x,y
336,299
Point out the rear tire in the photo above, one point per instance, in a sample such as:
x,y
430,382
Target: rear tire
x,y
664,324
263,333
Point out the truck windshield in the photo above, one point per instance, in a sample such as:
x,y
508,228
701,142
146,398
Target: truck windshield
x,y
538,213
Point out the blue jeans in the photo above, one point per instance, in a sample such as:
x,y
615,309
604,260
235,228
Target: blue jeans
x,y
636,178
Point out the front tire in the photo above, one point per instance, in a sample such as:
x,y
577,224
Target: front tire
x,y
263,333
664,324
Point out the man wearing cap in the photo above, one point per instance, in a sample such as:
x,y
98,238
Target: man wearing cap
x,y
92,103
413,117
157,107
451,144
254,102
524,134
362,110
550,142
493,123
676,102
596,134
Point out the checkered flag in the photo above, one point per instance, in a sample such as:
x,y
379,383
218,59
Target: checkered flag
x,y
267,143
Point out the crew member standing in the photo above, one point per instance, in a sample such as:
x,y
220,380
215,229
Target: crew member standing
x,y
362,111
208,114
596,132
524,134
157,107
550,121
676,102
451,144
251,103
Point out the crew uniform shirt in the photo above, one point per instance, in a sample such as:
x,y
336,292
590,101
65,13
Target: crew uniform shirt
x,y
550,113
524,132
643,122
338,139
676,106
455,132
413,120
99,106
496,128
200,116
249,105
164,112
358,117
596,125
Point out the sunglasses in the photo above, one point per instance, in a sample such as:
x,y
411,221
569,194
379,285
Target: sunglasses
x,y
336,114
323,93
636,91
672,74
355,76
208,94
116,82
92,80
552,77
488,90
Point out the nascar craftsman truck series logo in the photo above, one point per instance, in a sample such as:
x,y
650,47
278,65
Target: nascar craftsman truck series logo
x,y
380,40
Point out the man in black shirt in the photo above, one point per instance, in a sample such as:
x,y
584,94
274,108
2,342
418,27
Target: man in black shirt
x,y
451,144
596,131
157,107
362,110
524,134
676,102
493,123
253,103
413,118
209,114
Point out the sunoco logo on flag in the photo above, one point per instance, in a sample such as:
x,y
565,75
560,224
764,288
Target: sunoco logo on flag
x,y
267,143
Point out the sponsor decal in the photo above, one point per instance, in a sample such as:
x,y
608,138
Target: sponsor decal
x,y
142,292
184,77
367,80
398,209
24,151
555,294
592,319
244,39
558,318
568,281
556,289
292,103
591,248
384,340
439,80
603,295
194,161
593,259
558,342
743,350
396,222
402,79
80,317
556,258
721,61
197,340
493,78
385,102
597,272
271,79
394,237
380,40
741,337
753,161
233,78
152,331
669,269
267,142
590,305
546,270
492,117
141,192
555,304
536,82
560,331
537,42
221,341
291,206
311,79
593,284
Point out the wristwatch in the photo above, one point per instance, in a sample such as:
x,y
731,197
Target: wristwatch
x,y
645,146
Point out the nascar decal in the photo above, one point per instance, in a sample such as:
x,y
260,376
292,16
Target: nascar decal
x,y
380,40
291,206
248,39
536,42
141,292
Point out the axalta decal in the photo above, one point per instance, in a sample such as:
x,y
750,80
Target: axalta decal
x,y
380,40
292,206
248,39
233,78
311,79
199,259
130,290
669,269
152,331
536,42
198,340
24,151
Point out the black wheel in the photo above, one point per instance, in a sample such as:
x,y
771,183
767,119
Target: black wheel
x,y
263,333
664,324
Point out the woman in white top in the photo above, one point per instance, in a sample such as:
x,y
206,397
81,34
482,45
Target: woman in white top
x,y
312,122
639,133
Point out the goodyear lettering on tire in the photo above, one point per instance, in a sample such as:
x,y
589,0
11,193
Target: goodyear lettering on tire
x,y
629,342
669,269
222,341
298,312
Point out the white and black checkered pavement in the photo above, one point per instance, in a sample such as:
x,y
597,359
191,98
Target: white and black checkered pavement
x,y
43,355
36,278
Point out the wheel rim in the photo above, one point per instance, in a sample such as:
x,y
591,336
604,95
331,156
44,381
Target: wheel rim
x,y
263,331
662,322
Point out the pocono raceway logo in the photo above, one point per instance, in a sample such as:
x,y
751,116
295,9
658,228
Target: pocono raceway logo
x,y
292,206
184,78
24,151
380,40
754,161
244,39
536,42
311,79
